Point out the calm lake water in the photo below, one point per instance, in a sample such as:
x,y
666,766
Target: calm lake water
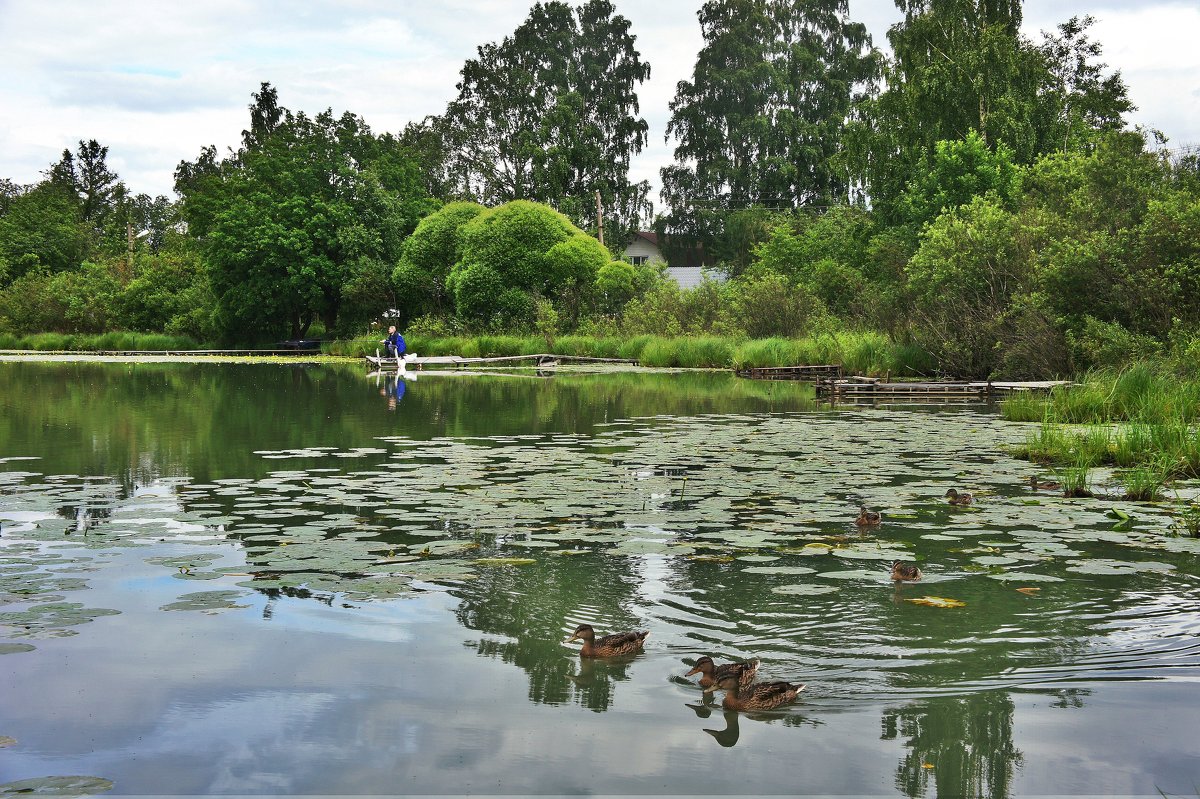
x,y
291,579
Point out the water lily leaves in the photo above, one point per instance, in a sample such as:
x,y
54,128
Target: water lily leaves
x,y
56,786
804,590
207,601
777,569
505,561
994,560
937,602
15,648
1106,566
6,741
1025,577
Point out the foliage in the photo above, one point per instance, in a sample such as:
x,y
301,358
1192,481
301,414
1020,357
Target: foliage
x,y
426,259
550,114
303,206
760,121
516,252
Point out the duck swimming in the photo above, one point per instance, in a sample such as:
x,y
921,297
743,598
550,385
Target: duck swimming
x,y
613,645
868,518
710,673
905,572
1043,485
759,696
957,498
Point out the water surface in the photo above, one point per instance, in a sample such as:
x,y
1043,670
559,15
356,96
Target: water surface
x,y
288,579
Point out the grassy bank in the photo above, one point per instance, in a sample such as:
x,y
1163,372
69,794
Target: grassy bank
x,y
91,342
859,353
1141,420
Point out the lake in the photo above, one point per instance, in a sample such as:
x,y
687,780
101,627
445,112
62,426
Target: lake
x,y
284,579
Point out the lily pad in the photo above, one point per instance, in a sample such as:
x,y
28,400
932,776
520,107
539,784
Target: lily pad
x,y
778,570
804,590
207,601
56,786
505,561
1106,566
13,649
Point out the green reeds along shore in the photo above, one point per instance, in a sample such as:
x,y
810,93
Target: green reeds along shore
x,y
857,352
93,342
1142,420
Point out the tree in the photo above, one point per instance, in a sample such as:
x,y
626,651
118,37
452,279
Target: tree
x,y
41,229
306,205
956,172
761,120
519,252
550,115
1083,99
426,259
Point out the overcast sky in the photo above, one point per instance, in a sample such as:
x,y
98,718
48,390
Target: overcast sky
x,y
156,81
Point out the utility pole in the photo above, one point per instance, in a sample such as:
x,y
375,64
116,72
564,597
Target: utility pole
x,y
599,217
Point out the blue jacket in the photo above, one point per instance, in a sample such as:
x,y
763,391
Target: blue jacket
x,y
396,342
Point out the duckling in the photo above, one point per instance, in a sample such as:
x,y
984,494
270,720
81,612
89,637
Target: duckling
x,y
868,518
905,572
759,696
959,499
1043,485
613,645
710,673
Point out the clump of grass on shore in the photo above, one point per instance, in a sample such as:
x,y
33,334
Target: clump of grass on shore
x,y
116,341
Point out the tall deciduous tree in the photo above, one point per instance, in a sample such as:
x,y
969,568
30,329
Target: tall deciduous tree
x,y
550,114
761,120
963,65
305,206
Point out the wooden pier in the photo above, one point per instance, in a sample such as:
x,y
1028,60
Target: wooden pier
x,y
540,360
809,373
873,389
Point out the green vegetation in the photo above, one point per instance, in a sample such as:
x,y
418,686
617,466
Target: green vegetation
x,y
899,220
1142,420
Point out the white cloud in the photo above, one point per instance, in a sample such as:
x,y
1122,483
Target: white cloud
x,y
156,82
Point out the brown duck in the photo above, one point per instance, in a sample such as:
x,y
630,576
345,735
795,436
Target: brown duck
x,y
868,518
905,572
959,498
609,646
710,673
759,696
1043,485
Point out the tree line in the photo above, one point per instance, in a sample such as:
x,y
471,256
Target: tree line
x,y
974,192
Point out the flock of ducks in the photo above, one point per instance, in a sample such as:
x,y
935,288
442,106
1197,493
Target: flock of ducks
x,y
737,679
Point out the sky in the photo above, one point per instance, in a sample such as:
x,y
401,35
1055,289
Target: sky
x,y
155,82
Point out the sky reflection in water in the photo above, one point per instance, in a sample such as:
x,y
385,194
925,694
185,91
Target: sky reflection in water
x,y
292,583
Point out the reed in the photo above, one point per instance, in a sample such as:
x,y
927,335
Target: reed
x,y
1146,483
1076,480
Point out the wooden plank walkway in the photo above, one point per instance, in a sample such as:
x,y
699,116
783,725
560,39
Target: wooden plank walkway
x,y
543,359
810,373
874,389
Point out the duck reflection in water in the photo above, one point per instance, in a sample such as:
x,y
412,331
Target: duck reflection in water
x,y
729,736
594,682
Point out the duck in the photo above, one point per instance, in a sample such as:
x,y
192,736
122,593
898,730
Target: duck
x,y
759,696
1043,485
957,498
868,518
609,646
905,572
710,673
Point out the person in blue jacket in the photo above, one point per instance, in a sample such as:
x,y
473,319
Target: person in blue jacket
x,y
394,343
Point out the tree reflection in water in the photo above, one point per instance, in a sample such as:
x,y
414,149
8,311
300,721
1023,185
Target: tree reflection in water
x,y
963,745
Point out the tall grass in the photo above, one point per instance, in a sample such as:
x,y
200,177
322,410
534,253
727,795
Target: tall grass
x,y
93,342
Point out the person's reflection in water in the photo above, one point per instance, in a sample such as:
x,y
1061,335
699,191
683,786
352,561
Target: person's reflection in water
x,y
728,736
396,387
